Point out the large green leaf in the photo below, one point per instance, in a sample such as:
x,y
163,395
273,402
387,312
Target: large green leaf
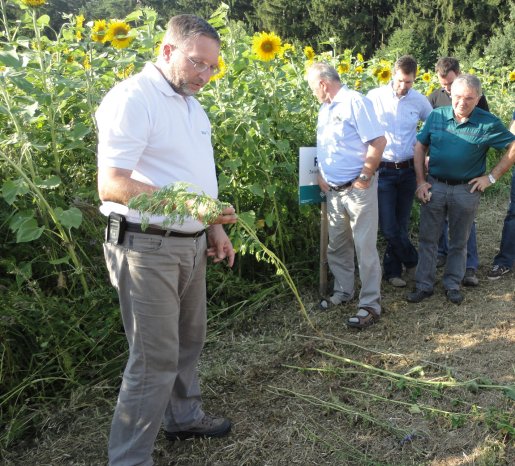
x,y
10,58
50,183
12,189
71,218
29,231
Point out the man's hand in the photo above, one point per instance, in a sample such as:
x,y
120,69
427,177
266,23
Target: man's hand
x,y
228,215
220,246
480,183
423,193
323,184
360,184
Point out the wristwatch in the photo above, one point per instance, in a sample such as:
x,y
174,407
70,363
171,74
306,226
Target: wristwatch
x,y
363,177
491,178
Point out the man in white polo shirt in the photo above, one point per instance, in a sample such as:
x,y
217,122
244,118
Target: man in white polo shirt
x,y
152,133
350,142
399,108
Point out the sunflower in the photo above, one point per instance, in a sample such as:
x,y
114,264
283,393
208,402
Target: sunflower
x,y
118,34
33,3
222,67
512,76
358,69
266,45
98,31
287,50
309,52
79,21
357,84
343,67
360,57
426,77
384,75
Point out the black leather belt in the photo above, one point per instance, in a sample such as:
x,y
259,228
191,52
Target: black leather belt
x,y
150,230
450,182
343,186
397,165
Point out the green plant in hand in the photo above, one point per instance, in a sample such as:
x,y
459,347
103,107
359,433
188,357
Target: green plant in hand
x,y
177,202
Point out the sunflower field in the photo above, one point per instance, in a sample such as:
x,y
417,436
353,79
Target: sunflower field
x,y
60,325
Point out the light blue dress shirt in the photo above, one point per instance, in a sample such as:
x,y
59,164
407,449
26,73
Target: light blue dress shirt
x,y
344,127
399,117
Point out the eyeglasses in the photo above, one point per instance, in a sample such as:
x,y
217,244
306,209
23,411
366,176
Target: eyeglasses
x,y
201,66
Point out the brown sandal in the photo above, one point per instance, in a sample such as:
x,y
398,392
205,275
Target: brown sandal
x,y
366,321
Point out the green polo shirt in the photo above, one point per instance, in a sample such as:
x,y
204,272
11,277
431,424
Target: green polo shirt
x,y
458,150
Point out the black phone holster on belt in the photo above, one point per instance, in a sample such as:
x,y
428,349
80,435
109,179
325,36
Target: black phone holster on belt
x,y
116,225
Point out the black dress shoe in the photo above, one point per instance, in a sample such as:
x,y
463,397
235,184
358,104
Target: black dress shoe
x,y
418,295
454,296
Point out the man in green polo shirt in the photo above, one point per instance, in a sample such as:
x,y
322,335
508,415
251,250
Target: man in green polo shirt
x,y
458,138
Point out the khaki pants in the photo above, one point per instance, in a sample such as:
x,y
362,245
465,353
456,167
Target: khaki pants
x,y
353,223
161,286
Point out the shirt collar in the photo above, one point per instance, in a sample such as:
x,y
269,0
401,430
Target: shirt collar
x,y
473,117
340,95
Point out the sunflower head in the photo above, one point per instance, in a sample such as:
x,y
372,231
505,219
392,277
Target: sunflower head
x,y
99,30
266,45
287,50
79,21
343,67
222,67
512,76
426,77
384,75
33,3
358,69
309,53
360,57
118,34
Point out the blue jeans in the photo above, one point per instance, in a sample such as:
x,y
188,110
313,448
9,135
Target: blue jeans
x,y
506,254
396,191
459,205
472,255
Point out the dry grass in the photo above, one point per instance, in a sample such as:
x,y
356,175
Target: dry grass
x,y
292,404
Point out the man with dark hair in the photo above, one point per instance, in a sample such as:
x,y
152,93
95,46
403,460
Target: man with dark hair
x,y
458,138
447,70
399,109
350,142
153,133
503,261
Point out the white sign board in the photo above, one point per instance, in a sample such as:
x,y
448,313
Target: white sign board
x,y
309,191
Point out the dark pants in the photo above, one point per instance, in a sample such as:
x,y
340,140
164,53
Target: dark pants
x,y
396,191
506,254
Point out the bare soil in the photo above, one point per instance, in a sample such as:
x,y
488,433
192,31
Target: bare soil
x,y
293,401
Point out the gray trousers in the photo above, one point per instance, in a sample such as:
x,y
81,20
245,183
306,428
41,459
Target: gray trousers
x,y
460,206
353,223
161,287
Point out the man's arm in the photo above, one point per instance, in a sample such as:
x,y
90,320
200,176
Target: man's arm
x,y
372,160
116,185
482,182
419,158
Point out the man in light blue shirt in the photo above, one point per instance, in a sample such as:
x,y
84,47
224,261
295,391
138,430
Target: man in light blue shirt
x,y
350,142
399,109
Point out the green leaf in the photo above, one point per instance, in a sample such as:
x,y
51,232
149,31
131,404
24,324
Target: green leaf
x,y
29,231
62,260
23,272
248,217
80,130
415,409
51,183
43,21
12,189
71,218
10,58
269,219
510,393
23,84
256,190
134,16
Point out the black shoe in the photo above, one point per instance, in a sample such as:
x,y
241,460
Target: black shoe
x,y
470,278
454,296
208,426
418,295
440,261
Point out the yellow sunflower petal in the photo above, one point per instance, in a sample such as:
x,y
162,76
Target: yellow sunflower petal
x,y
118,34
266,45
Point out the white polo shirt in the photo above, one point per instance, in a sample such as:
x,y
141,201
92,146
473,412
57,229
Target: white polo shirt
x,y
344,127
399,117
146,127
